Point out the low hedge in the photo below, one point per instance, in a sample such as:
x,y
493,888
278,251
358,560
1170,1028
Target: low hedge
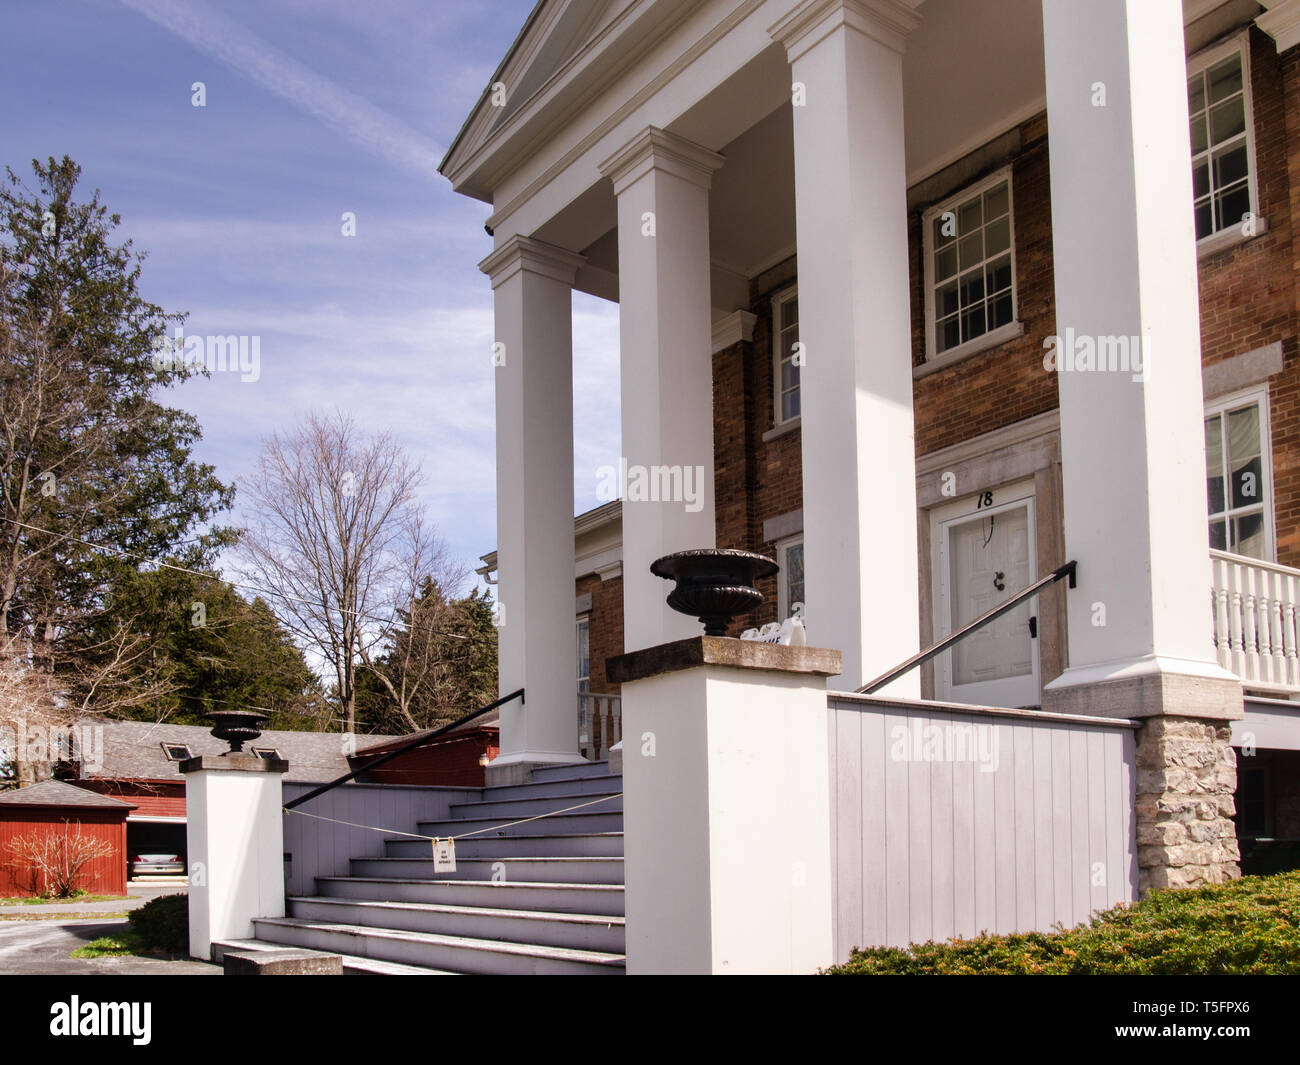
x,y
1251,925
163,924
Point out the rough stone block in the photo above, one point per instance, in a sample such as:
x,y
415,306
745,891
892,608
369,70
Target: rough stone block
x,y
281,963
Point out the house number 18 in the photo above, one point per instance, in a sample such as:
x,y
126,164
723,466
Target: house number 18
x,y
985,500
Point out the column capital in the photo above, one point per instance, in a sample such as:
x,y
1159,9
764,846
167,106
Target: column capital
x,y
657,149
887,21
536,256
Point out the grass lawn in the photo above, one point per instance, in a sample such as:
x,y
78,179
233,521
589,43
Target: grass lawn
x,y
1251,925
25,900
124,942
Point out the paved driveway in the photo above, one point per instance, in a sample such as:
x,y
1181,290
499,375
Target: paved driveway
x,y
41,948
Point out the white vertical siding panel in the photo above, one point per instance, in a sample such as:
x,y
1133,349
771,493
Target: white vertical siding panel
x,y
920,831
873,757
928,849
963,847
1061,824
942,839
1006,843
1027,806
898,900
1080,817
1100,784
848,790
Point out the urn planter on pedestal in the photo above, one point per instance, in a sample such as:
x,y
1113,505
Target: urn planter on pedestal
x,y
714,584
236,727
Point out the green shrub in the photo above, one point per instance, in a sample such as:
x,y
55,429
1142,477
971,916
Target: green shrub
x,y
163,924
1251,925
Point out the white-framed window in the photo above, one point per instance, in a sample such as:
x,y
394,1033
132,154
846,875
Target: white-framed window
x,y
786,357
1239,475
584,654
1223,137
789,588
970,268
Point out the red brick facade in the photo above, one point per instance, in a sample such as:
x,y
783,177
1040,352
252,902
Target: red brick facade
x,y
604,625
1248,301
1248,293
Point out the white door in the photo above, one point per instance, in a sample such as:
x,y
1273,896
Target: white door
x,y
985,553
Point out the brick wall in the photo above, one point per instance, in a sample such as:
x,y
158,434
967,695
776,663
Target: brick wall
x,y
1248,300
1007,383
605,625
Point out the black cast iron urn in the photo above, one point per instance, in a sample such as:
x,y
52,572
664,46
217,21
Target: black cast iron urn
x,y
236,727
714,584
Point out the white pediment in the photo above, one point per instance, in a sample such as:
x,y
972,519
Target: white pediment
x,y
557,33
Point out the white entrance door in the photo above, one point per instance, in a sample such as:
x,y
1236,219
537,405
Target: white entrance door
x,y
984,554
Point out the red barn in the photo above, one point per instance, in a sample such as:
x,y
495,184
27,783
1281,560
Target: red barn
x,y
58,813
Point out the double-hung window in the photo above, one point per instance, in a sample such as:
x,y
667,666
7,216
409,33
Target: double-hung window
x,y
1218,105
584,654
789,593
970,276
786,355
1238,475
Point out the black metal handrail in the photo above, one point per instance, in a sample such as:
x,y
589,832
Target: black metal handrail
x,y
1060,573
418,741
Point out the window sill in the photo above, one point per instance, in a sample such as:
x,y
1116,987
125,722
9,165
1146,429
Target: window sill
x,y
972,347
782,429
1228,238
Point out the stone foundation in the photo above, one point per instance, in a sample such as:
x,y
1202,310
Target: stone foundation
x,y
1186,776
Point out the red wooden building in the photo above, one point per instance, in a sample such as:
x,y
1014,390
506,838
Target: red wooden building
x,y
454,759
59,813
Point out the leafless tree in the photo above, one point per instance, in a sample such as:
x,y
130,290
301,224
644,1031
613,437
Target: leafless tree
x,y
414,666
338,537
54,862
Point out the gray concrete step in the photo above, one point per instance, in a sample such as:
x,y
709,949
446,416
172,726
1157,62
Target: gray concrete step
x,y
594,869
578,931
579,821
570,769
524,845
457,954
352,966
605,899
597,785
509,807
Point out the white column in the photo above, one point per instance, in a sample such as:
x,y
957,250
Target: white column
x,y
859,463
1132,436
666,343
532,284
235,844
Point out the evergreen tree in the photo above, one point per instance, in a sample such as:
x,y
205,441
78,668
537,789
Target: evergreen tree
x,y
88,452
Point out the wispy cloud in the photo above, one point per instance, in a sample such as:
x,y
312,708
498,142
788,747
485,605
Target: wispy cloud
x,y
275,70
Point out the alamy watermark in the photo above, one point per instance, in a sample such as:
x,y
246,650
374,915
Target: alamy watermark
x,y
215,354
42,745
922,741
652,484
1084,353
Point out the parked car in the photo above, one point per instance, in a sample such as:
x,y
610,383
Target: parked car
x,y
157,865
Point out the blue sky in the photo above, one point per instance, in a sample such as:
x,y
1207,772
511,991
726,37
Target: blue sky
x,y
313,108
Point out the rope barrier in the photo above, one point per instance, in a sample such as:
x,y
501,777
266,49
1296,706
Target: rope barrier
x,y
463,835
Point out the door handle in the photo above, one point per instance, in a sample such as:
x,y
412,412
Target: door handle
x,y
1033,627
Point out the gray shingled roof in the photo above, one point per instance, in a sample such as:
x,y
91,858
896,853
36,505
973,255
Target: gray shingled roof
x,y
57,793
133,750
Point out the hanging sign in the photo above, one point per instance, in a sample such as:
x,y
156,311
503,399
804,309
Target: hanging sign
x,y
444,855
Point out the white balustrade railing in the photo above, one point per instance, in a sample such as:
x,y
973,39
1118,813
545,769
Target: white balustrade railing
x,y
600,724
1254,609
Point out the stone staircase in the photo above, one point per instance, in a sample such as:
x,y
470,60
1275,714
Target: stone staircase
x,y
543,897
